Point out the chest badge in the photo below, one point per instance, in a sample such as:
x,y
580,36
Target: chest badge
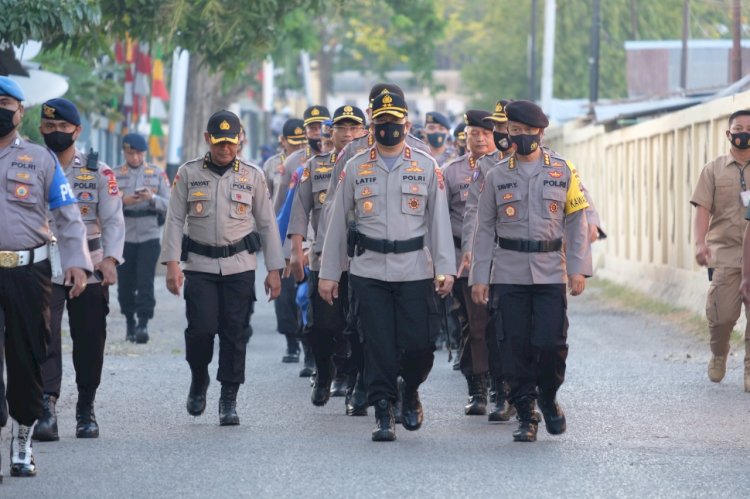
x,y
413,203
510,211
84,177
414,188
22,192
555,174
507,196
241,209
85,210
368,206
322,197
199,207
553,207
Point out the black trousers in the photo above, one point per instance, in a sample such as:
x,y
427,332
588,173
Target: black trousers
x,y
531,324
24,300
326,323
218,304
87,316
135,279
287,313
400,322
473,354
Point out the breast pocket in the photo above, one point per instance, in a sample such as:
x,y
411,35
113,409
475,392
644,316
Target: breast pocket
x,y
366,197
22,186
242,203
413,198
553,202
200,204
511,206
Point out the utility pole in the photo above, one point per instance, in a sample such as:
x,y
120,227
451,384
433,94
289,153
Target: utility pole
x,y
548,63
736,37
634,19
594,56
685,36
532,53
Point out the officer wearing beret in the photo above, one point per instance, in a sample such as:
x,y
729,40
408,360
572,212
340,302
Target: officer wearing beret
x,y
33,186
145,197
292,139
223,207
326,323
531,242
459,174
437,129
401,255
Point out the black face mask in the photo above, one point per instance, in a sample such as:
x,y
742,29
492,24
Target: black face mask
x,y
436,139
58,141
526,144
502,141
315,144
741,140
390,134
461,150
6,122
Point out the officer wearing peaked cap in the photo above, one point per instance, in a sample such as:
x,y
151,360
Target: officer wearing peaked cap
x,y
95,187
291,139
145,197
401,254
531,242
222,206
34,187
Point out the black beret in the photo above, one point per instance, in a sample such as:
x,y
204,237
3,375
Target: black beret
x,y
526,112
476,117
61,109
460,131
224,126
437,118
294,132
352,113
135,141
378,89
388,103
316,114
499,115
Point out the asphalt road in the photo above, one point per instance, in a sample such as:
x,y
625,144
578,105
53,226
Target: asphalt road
x,y
643,421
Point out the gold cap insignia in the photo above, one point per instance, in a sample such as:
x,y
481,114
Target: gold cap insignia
x,y
499,107
314,112
387,100
224,125
49,111
348,109
298,131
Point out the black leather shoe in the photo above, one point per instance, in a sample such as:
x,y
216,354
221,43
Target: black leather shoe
x,y
412,414
228,405
528,420
46,428
554,418
385,426
141,335
477,405
196,401
357,405
338,387
86,425
130,332
321,390
21,455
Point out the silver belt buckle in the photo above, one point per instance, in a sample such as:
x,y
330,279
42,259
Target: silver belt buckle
x,y
8,259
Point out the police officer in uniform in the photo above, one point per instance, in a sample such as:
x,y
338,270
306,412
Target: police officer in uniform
x,y
292,138
459,139
401,254
95,187
223,205
327,323
33,185
437,130
531,209
459,175
145,197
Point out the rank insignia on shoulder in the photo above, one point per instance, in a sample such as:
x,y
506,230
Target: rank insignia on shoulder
x,y
512,163
546,159
373,154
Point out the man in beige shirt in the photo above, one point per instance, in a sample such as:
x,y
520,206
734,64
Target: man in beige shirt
x,y
720,199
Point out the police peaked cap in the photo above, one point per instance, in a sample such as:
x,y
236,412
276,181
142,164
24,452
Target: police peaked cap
x,y
316,114
352,113
294,131
388,103
224,126
379,88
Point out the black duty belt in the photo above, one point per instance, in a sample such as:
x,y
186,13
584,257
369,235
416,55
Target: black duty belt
x,y
525,246
457,242
386,246
95,244
140,213
250,243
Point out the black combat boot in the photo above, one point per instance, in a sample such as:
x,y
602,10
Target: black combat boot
x,y
309,368
501,410
21,455
196,401
477,405
357,405
554,418
130,328
385,426
338,387
141,332
228,404
528,420
46,428
412,414
321,390
86,425
292,350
